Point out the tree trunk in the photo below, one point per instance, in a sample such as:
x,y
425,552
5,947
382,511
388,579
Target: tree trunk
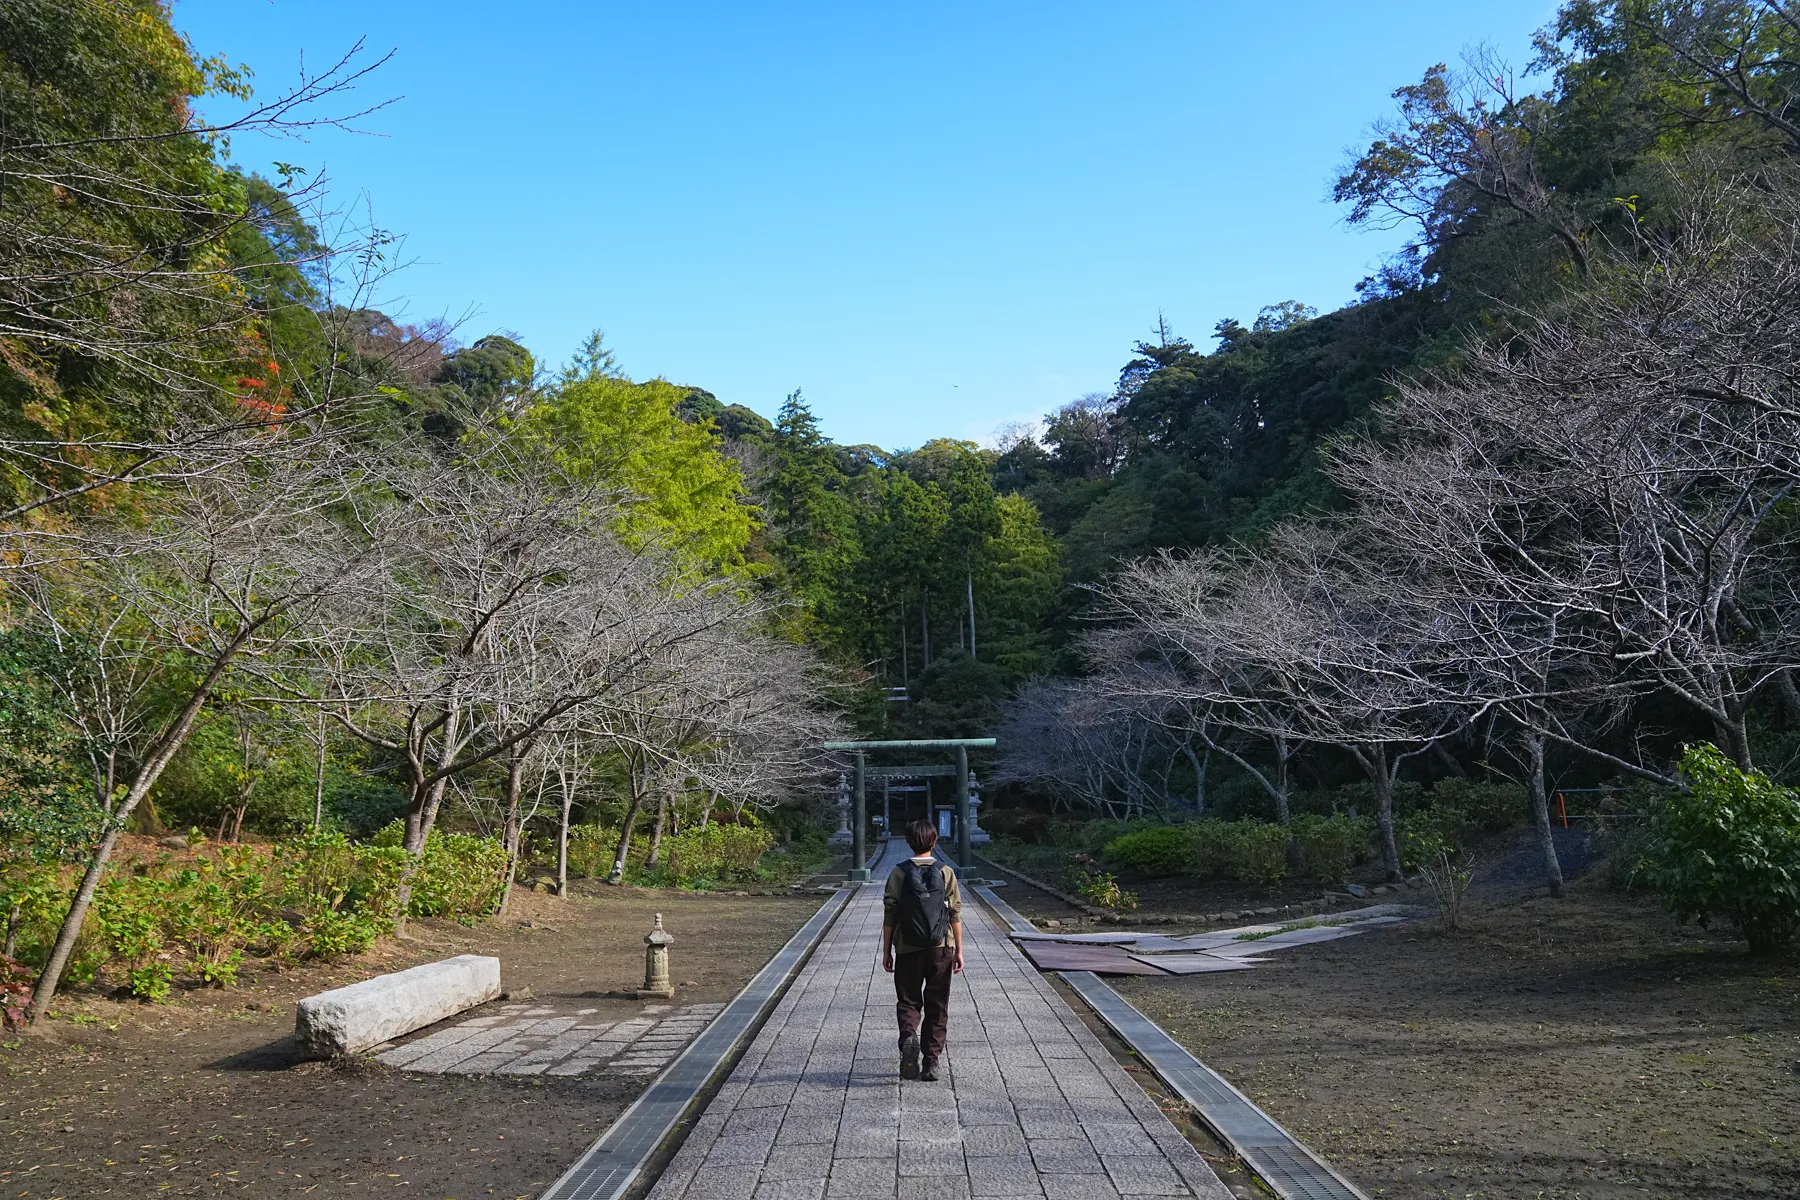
x,y
1375,765
509,831
1540,812
148,773
924,632
562,839
1790,694
1284,753
905,657
1448,760
712,798
617,876
319,779
972,653
1737,737
656,833
422,810
12,930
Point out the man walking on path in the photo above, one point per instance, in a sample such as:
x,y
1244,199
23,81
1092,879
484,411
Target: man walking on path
x,y
922,946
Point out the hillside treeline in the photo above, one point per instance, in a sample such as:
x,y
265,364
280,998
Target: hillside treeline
x,y
374,614
1525,510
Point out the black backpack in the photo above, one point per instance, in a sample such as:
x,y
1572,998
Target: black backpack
x,y
924,913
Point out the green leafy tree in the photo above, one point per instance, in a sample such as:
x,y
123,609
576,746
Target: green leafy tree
x,y
813,520
596,425
1729,846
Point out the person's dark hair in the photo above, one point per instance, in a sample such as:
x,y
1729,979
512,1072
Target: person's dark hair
x,y
921,836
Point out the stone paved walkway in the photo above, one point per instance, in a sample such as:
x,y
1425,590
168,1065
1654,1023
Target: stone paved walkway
x,y
537,1039
1032,1103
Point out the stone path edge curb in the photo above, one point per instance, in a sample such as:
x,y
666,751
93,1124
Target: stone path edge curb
x,y
1107,1003
623,1132
1088,986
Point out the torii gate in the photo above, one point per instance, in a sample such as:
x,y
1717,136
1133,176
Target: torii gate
x,y
859,849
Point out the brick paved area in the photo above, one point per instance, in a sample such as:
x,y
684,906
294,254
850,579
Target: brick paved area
x,y
1031,1105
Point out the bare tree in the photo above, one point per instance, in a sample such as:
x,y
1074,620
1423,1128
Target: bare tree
x,y
227,569
511,610
1296,642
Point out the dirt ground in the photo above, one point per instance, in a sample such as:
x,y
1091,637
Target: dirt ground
x,y
202,1096
1577,1049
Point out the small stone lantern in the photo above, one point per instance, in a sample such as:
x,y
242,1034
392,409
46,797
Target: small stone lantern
x,y
656,963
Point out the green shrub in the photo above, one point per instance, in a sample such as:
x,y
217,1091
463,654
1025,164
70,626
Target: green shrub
x,y
1330,846
316,895
362,805
712,856
1100,889
344,895
1494,805
1730,846
1248,851
220,907
460,876
128,912
591,850
1164,850
1256,852
1423,835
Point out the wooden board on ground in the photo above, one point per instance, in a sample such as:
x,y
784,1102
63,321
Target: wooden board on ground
x,y
1301,937
1104,960
1197,963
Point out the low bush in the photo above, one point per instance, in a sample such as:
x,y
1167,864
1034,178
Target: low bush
x,y
345,895
1100,889
1330,846
1493,805
1420,836
1163,850
1247,850
591,850
807,854
718,854
460,876
318,895
1729,846
1255,852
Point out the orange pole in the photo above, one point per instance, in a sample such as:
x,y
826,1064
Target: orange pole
x,y
1562,810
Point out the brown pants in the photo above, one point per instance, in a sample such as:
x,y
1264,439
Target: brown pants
x,y
922,989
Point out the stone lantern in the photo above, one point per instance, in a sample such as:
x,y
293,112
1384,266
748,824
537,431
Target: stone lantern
x,y
843,836
977,835
656,963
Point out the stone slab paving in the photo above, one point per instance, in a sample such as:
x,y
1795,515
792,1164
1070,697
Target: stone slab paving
x,y
539,1039
1032,1105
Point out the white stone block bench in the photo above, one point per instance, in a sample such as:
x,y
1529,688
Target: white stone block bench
x,y
350,1019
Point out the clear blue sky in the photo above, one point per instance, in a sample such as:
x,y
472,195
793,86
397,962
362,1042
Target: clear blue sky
x,y
932,217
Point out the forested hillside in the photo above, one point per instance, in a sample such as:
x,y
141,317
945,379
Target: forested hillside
x,y
283,569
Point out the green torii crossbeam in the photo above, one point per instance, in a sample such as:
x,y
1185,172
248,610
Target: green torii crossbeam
x,y
859,849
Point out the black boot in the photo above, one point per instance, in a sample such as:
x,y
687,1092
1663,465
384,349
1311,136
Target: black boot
x,y
928,1073
909,1056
